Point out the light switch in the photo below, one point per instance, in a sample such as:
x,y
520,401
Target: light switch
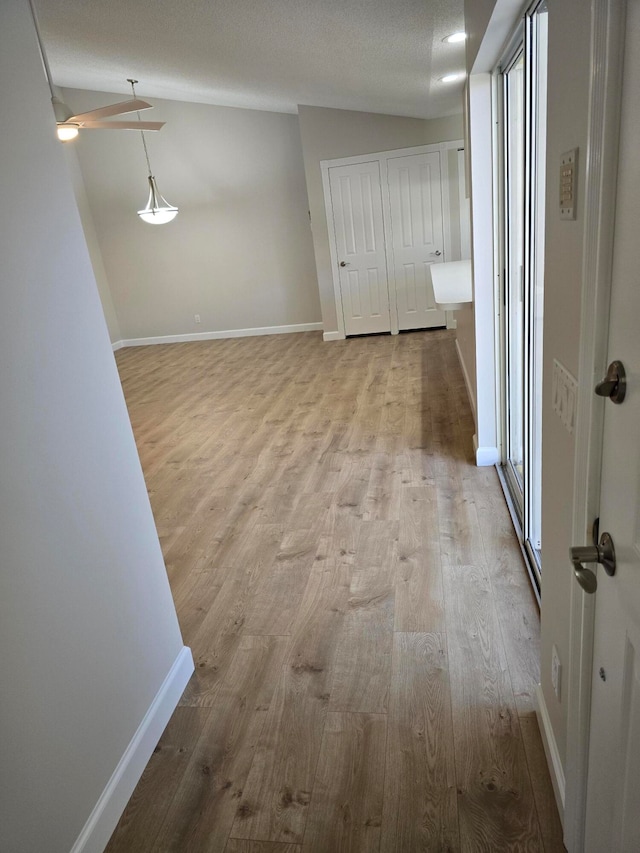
x,y
568,180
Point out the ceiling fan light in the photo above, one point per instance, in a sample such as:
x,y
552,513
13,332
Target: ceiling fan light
x,y
158,210
67,132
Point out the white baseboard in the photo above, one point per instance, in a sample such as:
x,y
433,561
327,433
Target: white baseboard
x,y
212,336
467,382
333,336
116,345
107,811
551,751
485,456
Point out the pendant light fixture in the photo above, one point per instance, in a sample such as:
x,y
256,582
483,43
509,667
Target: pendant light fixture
x,y
158,210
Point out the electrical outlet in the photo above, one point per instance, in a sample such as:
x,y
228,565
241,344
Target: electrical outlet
x,y
196,318
556,672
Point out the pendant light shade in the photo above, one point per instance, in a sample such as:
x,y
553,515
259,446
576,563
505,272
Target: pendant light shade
x,y
158,210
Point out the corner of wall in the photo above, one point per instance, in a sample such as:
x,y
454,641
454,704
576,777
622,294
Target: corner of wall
x,y
551,751
469,385
485,456
91,238
106,814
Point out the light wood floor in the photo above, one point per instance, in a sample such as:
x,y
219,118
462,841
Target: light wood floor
x,y
365,637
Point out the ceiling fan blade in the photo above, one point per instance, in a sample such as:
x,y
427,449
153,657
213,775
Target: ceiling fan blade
x,y
121,125
111,110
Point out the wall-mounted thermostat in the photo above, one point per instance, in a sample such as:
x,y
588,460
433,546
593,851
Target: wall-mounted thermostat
x,y
568,181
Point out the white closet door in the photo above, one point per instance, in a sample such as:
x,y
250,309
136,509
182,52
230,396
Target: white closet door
x,y
417,239
356,200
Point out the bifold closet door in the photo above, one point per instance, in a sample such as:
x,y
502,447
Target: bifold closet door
x,y
417,238
356,200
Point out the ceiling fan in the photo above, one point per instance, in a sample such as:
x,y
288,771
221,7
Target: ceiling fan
x,y
69,125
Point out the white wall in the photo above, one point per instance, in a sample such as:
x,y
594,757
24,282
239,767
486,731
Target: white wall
x,y
465,318
569,38
88,630
477,14
476,324
453,192
239,253
489,25
569,74
466,338
91,238
328,134
484,274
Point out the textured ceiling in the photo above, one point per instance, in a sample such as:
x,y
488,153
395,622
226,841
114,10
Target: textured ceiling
x,y
381,56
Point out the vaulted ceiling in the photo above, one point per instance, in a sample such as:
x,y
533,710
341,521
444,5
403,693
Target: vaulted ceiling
x,y
383,56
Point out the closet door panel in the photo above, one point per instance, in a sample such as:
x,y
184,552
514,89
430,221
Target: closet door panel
x,y
417,238
356,202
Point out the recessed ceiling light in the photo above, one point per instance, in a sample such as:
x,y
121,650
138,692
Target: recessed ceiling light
x,y
451,78
454,38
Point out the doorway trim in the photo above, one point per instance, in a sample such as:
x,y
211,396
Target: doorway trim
x,y
382,158
607,43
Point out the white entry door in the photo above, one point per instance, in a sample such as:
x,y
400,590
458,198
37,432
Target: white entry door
x,y
417,241
613,796
356,200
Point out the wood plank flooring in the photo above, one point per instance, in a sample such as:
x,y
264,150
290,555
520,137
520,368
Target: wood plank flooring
x,y
365,637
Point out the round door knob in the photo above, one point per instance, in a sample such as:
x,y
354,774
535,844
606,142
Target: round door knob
x,y
344,264
437,252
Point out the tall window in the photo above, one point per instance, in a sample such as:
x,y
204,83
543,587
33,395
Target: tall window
x,y
523,88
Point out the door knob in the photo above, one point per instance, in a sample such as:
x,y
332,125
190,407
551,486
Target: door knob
x,y
586,578
614,384
437,252
344,263
603,552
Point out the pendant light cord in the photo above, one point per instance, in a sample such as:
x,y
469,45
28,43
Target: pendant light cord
x,y
158,210
144,141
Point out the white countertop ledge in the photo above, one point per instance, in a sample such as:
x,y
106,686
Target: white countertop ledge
x,y
452,284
